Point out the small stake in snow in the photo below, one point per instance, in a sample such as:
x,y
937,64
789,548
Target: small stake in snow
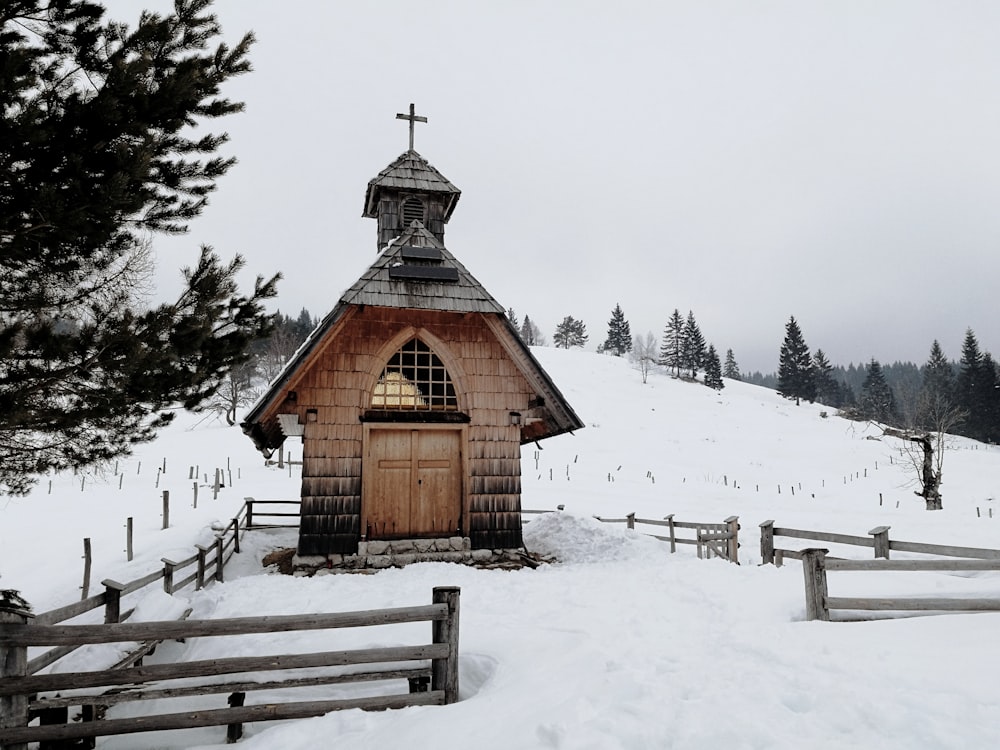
x,y
128,538
166,508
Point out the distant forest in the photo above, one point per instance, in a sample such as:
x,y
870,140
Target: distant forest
x,y
896,394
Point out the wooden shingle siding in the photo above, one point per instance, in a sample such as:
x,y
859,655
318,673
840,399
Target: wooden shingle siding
x,y
488,387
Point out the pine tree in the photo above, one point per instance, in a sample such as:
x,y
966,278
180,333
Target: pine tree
x,y
97,155
971,386
619,340
692,346
827,390
713,370
673,339
512,317
570,333
529,332
730,369
795,375
877,400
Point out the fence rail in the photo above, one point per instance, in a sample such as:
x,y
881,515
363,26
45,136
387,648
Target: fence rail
x,y
816,564
434,681
878,540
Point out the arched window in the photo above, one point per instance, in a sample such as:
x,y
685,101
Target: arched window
x,y
414,378
413,210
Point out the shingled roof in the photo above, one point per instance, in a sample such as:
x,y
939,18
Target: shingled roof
x,y
417,272
412,173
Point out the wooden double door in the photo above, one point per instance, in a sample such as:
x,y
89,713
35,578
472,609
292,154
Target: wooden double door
x,y
412,482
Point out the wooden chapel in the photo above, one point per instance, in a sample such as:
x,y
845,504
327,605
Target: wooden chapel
x,y
414,395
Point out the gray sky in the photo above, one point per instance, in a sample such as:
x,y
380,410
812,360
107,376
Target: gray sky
x,y
835,161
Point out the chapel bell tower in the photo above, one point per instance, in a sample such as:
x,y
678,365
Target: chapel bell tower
x,y
409,190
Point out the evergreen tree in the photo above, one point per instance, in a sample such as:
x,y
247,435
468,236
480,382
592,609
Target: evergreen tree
x,y
827,390
97,154
877,400
730,369
795,375
713,370
971,387
619,340
530,334
512,317
570,333
938,374
670,348
692,346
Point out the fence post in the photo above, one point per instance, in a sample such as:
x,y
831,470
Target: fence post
x,y
673,538
733,522
881,534
168,575
87,561
219,558
112,600
814,571
13,663
236,535
630,520
166,508
235,731
444,672
128,539
249,504
767,542
199,581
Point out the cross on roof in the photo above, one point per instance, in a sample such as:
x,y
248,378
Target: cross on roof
x,y
413,118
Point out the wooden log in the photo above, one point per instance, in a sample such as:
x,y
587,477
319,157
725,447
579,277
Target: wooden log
x,y
946,550
214,667
216,717
814,572
444,671
913,565
74,635
129,695
823,536
914,604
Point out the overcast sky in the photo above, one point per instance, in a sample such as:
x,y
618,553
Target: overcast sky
x,y
748,161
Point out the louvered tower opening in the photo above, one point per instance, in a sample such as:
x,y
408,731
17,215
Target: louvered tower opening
x,y
413,210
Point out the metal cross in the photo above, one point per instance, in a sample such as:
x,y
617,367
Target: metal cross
x,y
413,119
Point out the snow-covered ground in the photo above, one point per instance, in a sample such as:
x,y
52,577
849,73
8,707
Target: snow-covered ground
x,y
620,645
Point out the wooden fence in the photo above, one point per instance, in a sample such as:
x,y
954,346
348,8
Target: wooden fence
x,y
816,564
433,681
878,540
711,539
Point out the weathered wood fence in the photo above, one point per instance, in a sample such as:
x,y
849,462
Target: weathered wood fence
x,y
816,565
878,540
710,539
25,696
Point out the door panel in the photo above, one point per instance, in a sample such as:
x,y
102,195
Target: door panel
x,y
413,483
438,492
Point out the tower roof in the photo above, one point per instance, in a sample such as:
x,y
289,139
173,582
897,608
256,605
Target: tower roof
x,y
410,173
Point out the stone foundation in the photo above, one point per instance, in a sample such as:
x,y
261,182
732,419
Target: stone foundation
x,y
381,554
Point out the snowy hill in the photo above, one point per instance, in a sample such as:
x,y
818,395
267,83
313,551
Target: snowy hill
x,y
622,645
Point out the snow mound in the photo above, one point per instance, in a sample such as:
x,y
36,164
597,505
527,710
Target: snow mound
x,y
581,539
